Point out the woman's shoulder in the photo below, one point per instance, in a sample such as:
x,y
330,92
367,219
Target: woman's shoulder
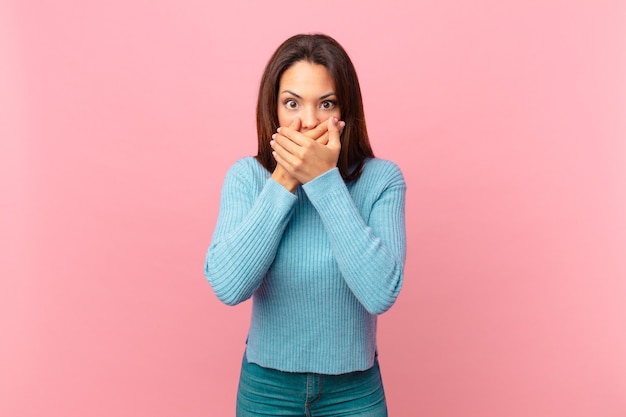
x,y
248,166
246,163
246,173
382,170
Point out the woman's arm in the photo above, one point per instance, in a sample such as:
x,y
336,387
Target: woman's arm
x,y
370,254
249,228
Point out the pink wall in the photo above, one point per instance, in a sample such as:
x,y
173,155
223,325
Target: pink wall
x,y
120,118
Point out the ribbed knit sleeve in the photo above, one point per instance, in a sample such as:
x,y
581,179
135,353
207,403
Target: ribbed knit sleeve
x,y
252,219
370,252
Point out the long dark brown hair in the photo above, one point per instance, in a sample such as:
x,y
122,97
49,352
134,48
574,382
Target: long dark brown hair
x,y
323,50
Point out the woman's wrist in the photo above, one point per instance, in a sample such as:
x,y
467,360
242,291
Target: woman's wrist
x,y
285,179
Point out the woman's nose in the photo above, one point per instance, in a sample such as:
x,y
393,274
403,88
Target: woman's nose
x,y
309,118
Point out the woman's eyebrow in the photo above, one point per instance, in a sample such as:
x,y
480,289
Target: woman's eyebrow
x,y
290,92
297,96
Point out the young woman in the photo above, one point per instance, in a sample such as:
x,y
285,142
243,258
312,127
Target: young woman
x,y
312,229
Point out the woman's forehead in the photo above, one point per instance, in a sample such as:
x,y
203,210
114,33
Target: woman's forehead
x,y
306,78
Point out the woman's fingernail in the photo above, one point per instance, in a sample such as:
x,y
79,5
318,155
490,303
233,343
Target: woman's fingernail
x,y
342,124
272,143
274,136
278,130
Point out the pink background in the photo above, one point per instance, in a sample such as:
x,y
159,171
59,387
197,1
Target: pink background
x,y
120,118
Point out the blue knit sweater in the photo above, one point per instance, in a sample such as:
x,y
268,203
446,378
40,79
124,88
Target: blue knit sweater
x,y
320,264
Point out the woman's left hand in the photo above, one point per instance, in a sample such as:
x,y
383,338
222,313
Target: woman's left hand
x,y
306,158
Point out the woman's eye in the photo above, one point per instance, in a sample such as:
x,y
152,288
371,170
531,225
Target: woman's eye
x,y
328,105
291,104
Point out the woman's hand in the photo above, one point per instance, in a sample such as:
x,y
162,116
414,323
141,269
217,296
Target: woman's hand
x,y
319,134
305,156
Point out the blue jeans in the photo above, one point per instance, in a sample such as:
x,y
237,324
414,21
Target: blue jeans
x,y
269,392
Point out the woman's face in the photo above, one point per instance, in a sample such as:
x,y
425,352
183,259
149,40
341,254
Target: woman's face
x,y
306,91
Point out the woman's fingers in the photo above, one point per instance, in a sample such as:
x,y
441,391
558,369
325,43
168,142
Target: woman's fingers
x,y
284,159
292,133
305,157
323,140
282,142
318,132
335,128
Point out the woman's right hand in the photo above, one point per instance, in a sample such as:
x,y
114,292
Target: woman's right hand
x,y
280,174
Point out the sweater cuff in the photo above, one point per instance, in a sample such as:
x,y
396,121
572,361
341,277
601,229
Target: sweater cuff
x,y
278,194
322,185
